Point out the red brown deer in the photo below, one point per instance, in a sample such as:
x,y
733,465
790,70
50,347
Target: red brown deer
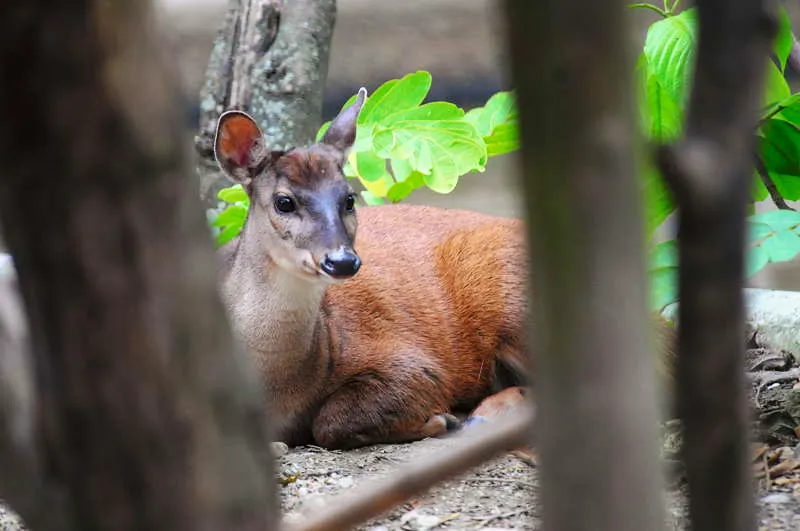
x,y
369,328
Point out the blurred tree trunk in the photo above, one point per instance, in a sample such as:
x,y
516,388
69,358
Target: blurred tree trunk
x,y
595,385
271,60
148,416
709,172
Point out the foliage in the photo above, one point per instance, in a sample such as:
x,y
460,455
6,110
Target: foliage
x,y
403,144
664,71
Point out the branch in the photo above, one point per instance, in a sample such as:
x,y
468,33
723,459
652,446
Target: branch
x,y
348,510
769,184
709,172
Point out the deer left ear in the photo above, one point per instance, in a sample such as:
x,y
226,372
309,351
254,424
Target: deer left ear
x,y
342,132
239,147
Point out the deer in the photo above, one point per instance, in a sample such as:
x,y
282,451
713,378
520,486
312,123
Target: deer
x,y
382,326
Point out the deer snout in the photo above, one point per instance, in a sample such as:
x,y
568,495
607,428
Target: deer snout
x,y
342,263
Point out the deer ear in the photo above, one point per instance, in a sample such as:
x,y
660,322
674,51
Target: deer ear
x,y
239,147
342,132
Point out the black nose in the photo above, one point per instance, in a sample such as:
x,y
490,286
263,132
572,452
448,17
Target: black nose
x,y
341,264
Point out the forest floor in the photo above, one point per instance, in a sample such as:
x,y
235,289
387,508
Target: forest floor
x,y
500,495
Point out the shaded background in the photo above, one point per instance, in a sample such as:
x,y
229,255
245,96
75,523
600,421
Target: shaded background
x,y
459,41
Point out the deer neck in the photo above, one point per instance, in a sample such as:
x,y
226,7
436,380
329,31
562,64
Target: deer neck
x,y
277,316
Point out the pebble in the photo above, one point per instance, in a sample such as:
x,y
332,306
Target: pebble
x,y
777,497
346,482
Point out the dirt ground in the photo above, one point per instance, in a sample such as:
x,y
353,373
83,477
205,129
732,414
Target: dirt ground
x,y
500,495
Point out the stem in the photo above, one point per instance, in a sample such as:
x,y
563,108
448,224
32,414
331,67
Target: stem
x,y
651,7
769,184
675,6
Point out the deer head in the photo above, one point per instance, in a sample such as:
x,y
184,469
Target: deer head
x,y
302,207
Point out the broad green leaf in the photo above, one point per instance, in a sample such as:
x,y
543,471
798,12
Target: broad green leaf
x,y
658,199
663,287
755,260
399,191
443,150
232,216
788,185
233,194
665,254
777,220
371,199
790,109
776,88
369,166
227,235
504,139
772,237
499,109
784,39
438,110
758,192
669,47
781,246
395,96
780,147
661,117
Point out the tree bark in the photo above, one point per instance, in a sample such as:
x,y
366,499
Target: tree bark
x,y
595,387
709,172
271,60
148,414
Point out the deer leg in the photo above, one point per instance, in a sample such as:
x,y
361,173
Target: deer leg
x,y
377,409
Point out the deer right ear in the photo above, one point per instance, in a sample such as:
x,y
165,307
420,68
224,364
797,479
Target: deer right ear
x,y
239,147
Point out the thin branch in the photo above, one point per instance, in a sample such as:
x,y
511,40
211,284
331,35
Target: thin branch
x,y
769,184
651,7
348,510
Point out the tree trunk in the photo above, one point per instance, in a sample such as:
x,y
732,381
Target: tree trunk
x,y
149,416
594,384
709,172
271,60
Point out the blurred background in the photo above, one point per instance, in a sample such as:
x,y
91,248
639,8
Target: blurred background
x,y
459,41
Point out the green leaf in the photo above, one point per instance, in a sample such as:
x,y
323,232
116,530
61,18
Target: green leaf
x,y
443,150
399,191
772,237
776,88
371,199
779,146
233,194
661,118
504,139
790,109
370,167
663,287
232,216
784,39
395,96
669,47
499,109
665,254
227,235
658,199
438,110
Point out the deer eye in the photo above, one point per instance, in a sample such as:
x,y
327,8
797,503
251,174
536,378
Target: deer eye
x,y
350,203
284,204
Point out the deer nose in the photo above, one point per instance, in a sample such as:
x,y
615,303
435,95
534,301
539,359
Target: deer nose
x,y
341,263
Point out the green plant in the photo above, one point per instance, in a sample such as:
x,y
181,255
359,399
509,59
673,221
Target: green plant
x,y
404,144
664,71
